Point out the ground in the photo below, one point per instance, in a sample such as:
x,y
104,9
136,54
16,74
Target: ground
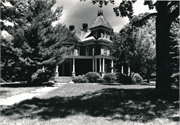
x,y
95,104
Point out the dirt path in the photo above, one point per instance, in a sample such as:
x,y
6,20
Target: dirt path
x,y
20,97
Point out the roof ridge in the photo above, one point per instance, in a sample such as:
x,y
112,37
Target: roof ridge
x,y
100,20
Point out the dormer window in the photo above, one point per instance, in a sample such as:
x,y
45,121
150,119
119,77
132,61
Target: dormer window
x,y
87,51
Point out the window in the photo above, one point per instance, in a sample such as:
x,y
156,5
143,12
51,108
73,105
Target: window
x,y
87,51
105,50
78,51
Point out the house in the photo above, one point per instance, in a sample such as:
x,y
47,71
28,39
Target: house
x,y
91,49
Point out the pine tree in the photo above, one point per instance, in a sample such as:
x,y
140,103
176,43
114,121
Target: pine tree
x,y
12,19
43,43
40,45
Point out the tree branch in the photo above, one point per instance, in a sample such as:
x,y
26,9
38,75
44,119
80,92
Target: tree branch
x,y
174,14
172,3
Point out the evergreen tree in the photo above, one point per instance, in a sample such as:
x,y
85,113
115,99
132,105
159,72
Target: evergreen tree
x,y
39,43
12,20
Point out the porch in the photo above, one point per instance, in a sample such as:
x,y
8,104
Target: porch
x,y
79,65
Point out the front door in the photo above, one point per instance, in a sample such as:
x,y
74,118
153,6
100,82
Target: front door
x,y
67,69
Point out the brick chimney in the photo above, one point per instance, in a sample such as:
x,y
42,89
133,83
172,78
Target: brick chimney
x,y
71,27
85,27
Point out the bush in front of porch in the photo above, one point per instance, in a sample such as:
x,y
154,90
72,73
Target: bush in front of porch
x,y
109,78
91,77
94,77
80,79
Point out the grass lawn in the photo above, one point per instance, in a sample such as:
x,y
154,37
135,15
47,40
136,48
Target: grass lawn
x,y
94,104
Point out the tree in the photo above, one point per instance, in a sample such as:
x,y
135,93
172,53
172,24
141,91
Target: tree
x,y
146,47
12,20
167,11
135,46
40,44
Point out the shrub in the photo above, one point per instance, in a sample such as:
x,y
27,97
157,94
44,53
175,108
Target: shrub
x,y
93,77
137,79
110,78
80,79
123,78
100,80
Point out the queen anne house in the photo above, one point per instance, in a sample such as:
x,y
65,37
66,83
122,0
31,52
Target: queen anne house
x,y
91,51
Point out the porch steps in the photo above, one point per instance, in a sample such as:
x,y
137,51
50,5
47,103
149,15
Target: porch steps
x,y
63,79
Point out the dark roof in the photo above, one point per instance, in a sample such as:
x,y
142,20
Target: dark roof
x,y
100,21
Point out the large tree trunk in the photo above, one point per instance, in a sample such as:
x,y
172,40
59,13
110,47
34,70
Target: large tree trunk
x,y
162,51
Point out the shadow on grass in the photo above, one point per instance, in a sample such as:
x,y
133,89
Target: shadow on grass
x,y
3,92
16,85
126,104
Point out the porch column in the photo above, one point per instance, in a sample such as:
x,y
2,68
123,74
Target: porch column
x,y
122,69
73,72
93,59
129,71
99,64
103,73
112,66
103,66
57,73
95,64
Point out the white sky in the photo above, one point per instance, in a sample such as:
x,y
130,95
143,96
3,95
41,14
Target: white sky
x,y
76,12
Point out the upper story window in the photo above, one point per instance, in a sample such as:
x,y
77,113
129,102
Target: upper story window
x,y
105,49
78,51
87,51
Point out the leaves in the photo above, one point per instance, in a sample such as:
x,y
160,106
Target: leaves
x,y
135,46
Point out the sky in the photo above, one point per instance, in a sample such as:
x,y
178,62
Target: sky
x,y
76,13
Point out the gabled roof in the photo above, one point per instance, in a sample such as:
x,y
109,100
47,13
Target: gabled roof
x,y
100,20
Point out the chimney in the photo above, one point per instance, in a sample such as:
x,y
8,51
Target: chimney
x,y
85,27
71,27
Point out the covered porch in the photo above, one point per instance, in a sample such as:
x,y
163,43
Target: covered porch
x,y
79,65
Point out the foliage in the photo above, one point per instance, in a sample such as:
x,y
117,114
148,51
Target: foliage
x,y
93,77
36,44
109,78
145,47
100,80
12,21
80,79
135,46
137,79
123,78
174,50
